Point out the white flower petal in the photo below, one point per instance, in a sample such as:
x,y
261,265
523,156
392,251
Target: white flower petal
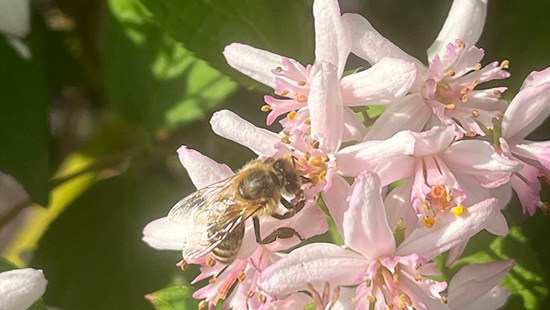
x,y
20,288
325,106
365,226
354,129
494,299
336,200
537,78
314,263
202,170
254,62
408,113
164,234
230,126
450,231
332,37
529,108
464,22
472,282
384,82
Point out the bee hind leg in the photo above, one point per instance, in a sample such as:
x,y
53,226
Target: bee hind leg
x,y
281,232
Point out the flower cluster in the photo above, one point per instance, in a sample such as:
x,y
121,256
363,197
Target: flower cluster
x,y
439,163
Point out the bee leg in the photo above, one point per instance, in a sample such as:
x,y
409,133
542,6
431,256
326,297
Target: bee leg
x,y
282,233
292,209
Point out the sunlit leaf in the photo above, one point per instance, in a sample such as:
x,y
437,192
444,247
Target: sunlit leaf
x,y
174,298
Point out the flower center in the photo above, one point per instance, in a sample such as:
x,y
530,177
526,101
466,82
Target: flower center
x,y
439,199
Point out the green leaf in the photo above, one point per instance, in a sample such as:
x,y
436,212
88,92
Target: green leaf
x,y
150,78
205,27
93,255
524,280
24,118
174,298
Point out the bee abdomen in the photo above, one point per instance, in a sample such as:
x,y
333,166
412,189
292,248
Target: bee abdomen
x,y
226,251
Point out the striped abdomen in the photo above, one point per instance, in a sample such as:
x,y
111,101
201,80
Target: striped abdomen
x,y
227,250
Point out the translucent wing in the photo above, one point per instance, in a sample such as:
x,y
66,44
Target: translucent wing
x,y
210,215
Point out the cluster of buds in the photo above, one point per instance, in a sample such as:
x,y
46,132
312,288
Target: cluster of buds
x,y
440,163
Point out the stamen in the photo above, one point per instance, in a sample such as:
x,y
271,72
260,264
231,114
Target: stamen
x,y
183,265
438,191
302,83
250,293
262,298
322,174
545,207
266,108
450,106
443,299
368,282
202,304
425,206
450,72
315,144
279,69
395,278
285,140
284,93
464,99
428,222
210,262
417,266
461,45
469,134
497,92
292,115
315,161
477,67
475,113
404,301
307,122
458,210
213,280
505,64
241,276
389,307
418,278
371,298
301,98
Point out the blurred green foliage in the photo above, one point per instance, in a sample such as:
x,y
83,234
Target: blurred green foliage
x,y
121,84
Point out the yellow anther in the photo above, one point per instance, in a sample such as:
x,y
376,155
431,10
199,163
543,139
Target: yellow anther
x,y
477,67
395,278
443,299
210,262
371,298
213,280
417,266
262,298
279,69
464,98
461,45
266,108
425,207
183,265
285,139
202,304
543,179
475,113
428,222
404,301
302,83
497,92
250,293
458,210
322,174
450,72
241,276
315,144
368,283
438,191
470,134
301,98
450,106
292,115
418,278
505,64
315,161
307,122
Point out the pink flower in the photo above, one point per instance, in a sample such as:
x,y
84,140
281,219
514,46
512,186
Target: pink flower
x,y
444,92
295,84
529,108
241,274
384,274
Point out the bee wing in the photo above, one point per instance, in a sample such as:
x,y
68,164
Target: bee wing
x,y
210,214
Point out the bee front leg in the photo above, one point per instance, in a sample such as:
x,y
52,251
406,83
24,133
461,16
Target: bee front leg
x,y
282,232
292,209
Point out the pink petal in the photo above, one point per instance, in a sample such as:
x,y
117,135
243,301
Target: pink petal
x,y
20,288
450,231
314,263
164,234
464,22
332,34
433,141
527,111
408,113
365,226
230,126
325,106
354,129
202,170
472,282
336,200
398,207
537,78
255,63
538,151
382,83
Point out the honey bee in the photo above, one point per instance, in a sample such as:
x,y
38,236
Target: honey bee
x,y
217,213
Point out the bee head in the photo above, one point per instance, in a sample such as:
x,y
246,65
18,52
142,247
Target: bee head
x,y
286,170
